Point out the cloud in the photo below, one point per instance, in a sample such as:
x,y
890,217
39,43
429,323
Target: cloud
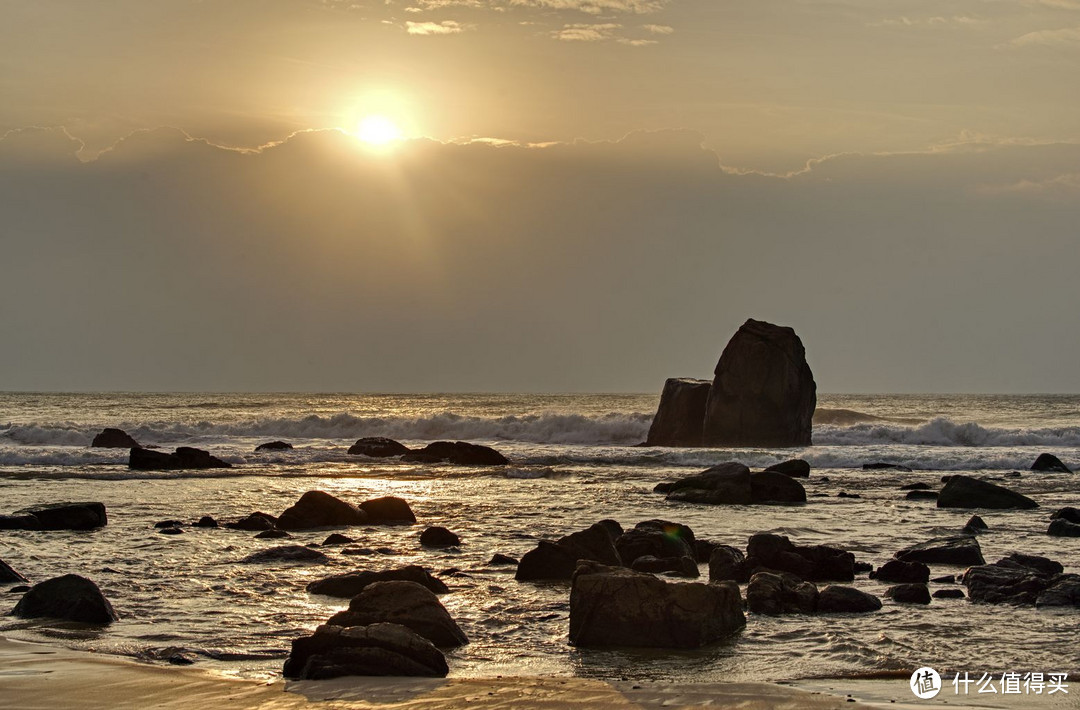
x,y
1066,37
427,29
658,29
597,7
586,32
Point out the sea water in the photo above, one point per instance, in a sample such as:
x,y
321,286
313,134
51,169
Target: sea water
x,y
573,463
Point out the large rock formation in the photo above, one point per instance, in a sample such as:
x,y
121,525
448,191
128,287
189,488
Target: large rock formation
x,y
376,650
71,597
967,492
680,418
614,606
110,438
558,560
763,393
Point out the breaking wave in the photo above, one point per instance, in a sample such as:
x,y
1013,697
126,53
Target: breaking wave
x,y
944,432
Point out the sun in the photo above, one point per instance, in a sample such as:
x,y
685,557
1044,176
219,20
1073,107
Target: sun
x,y
377,130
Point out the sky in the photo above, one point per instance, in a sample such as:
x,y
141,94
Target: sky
x,y
561,195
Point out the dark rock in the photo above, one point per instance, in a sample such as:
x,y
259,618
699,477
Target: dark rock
x,y
614,606
274,446
1049,463
439,537
920,486
845,494
19,522
726,563
814,563
945,579
68,516
963,550
909,594
184,457
377,650
997,584
835,599
286,553
1067,513
206,522
171,531
976,523
1013,474
335,539
1063,528
776,593
796,468
948,594
19,589
114,439
357,551
885,466
457,452
921,495
500,559
655,538
1064,590
775,487
378,447
169,524
70,597
724,484
680,418
388,510
703,550
675,566
273,535
1043,565
9,575
406,603
317,509
861,567
967,492
558,560
898,571
763,392
350,584
254,522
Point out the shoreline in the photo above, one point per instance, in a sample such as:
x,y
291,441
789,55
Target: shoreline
x,y
35,676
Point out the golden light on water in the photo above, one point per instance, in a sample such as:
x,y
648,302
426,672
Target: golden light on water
x,y
378,130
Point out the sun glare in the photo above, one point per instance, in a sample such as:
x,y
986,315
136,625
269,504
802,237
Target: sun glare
x,y
377,130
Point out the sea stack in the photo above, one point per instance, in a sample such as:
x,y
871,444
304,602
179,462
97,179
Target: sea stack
x,y
681,415
763,393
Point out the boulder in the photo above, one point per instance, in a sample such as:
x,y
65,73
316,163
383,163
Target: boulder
x,y
1049,463
775,593
169,524
67,516
335,539
1067,513
703,550
457,452
437,536
835,599
274,446
1063,528
919,486
558,560
796,468
286,553
185,457
388,510
254,522
19,522
614,606
816,563
377,650
962,550
317,509
674,566
500,559
1064,590
114,439
680,418
921,495
900,572
8,575
350,584
997,584
948,594
775,487
71,597
655,538
763,392
179,531
1043,565
726,564
909,594
269,535
378,447
724,484
975,523
406,603
206,522
967,492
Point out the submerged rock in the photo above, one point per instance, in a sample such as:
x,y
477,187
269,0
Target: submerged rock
x,y
898,571
500,559
437,536
796,468
65,516
776,593
206,521
286,553
378,447
114,439
835,599
254,522
1067,513
962,550
913,593
614,606
674,566
350,584
406,603
1064,590
19,522
763,392
680,417
274,446
376,650
885,466
335,539
922,495
1049,463
185,457
558,560
457,452
70,597
317,509
732,484
8,575
1063,528
388,510
948,594
967,492
272,535
817,563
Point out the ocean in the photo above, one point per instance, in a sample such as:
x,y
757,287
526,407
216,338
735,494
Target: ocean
x,y
573,462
